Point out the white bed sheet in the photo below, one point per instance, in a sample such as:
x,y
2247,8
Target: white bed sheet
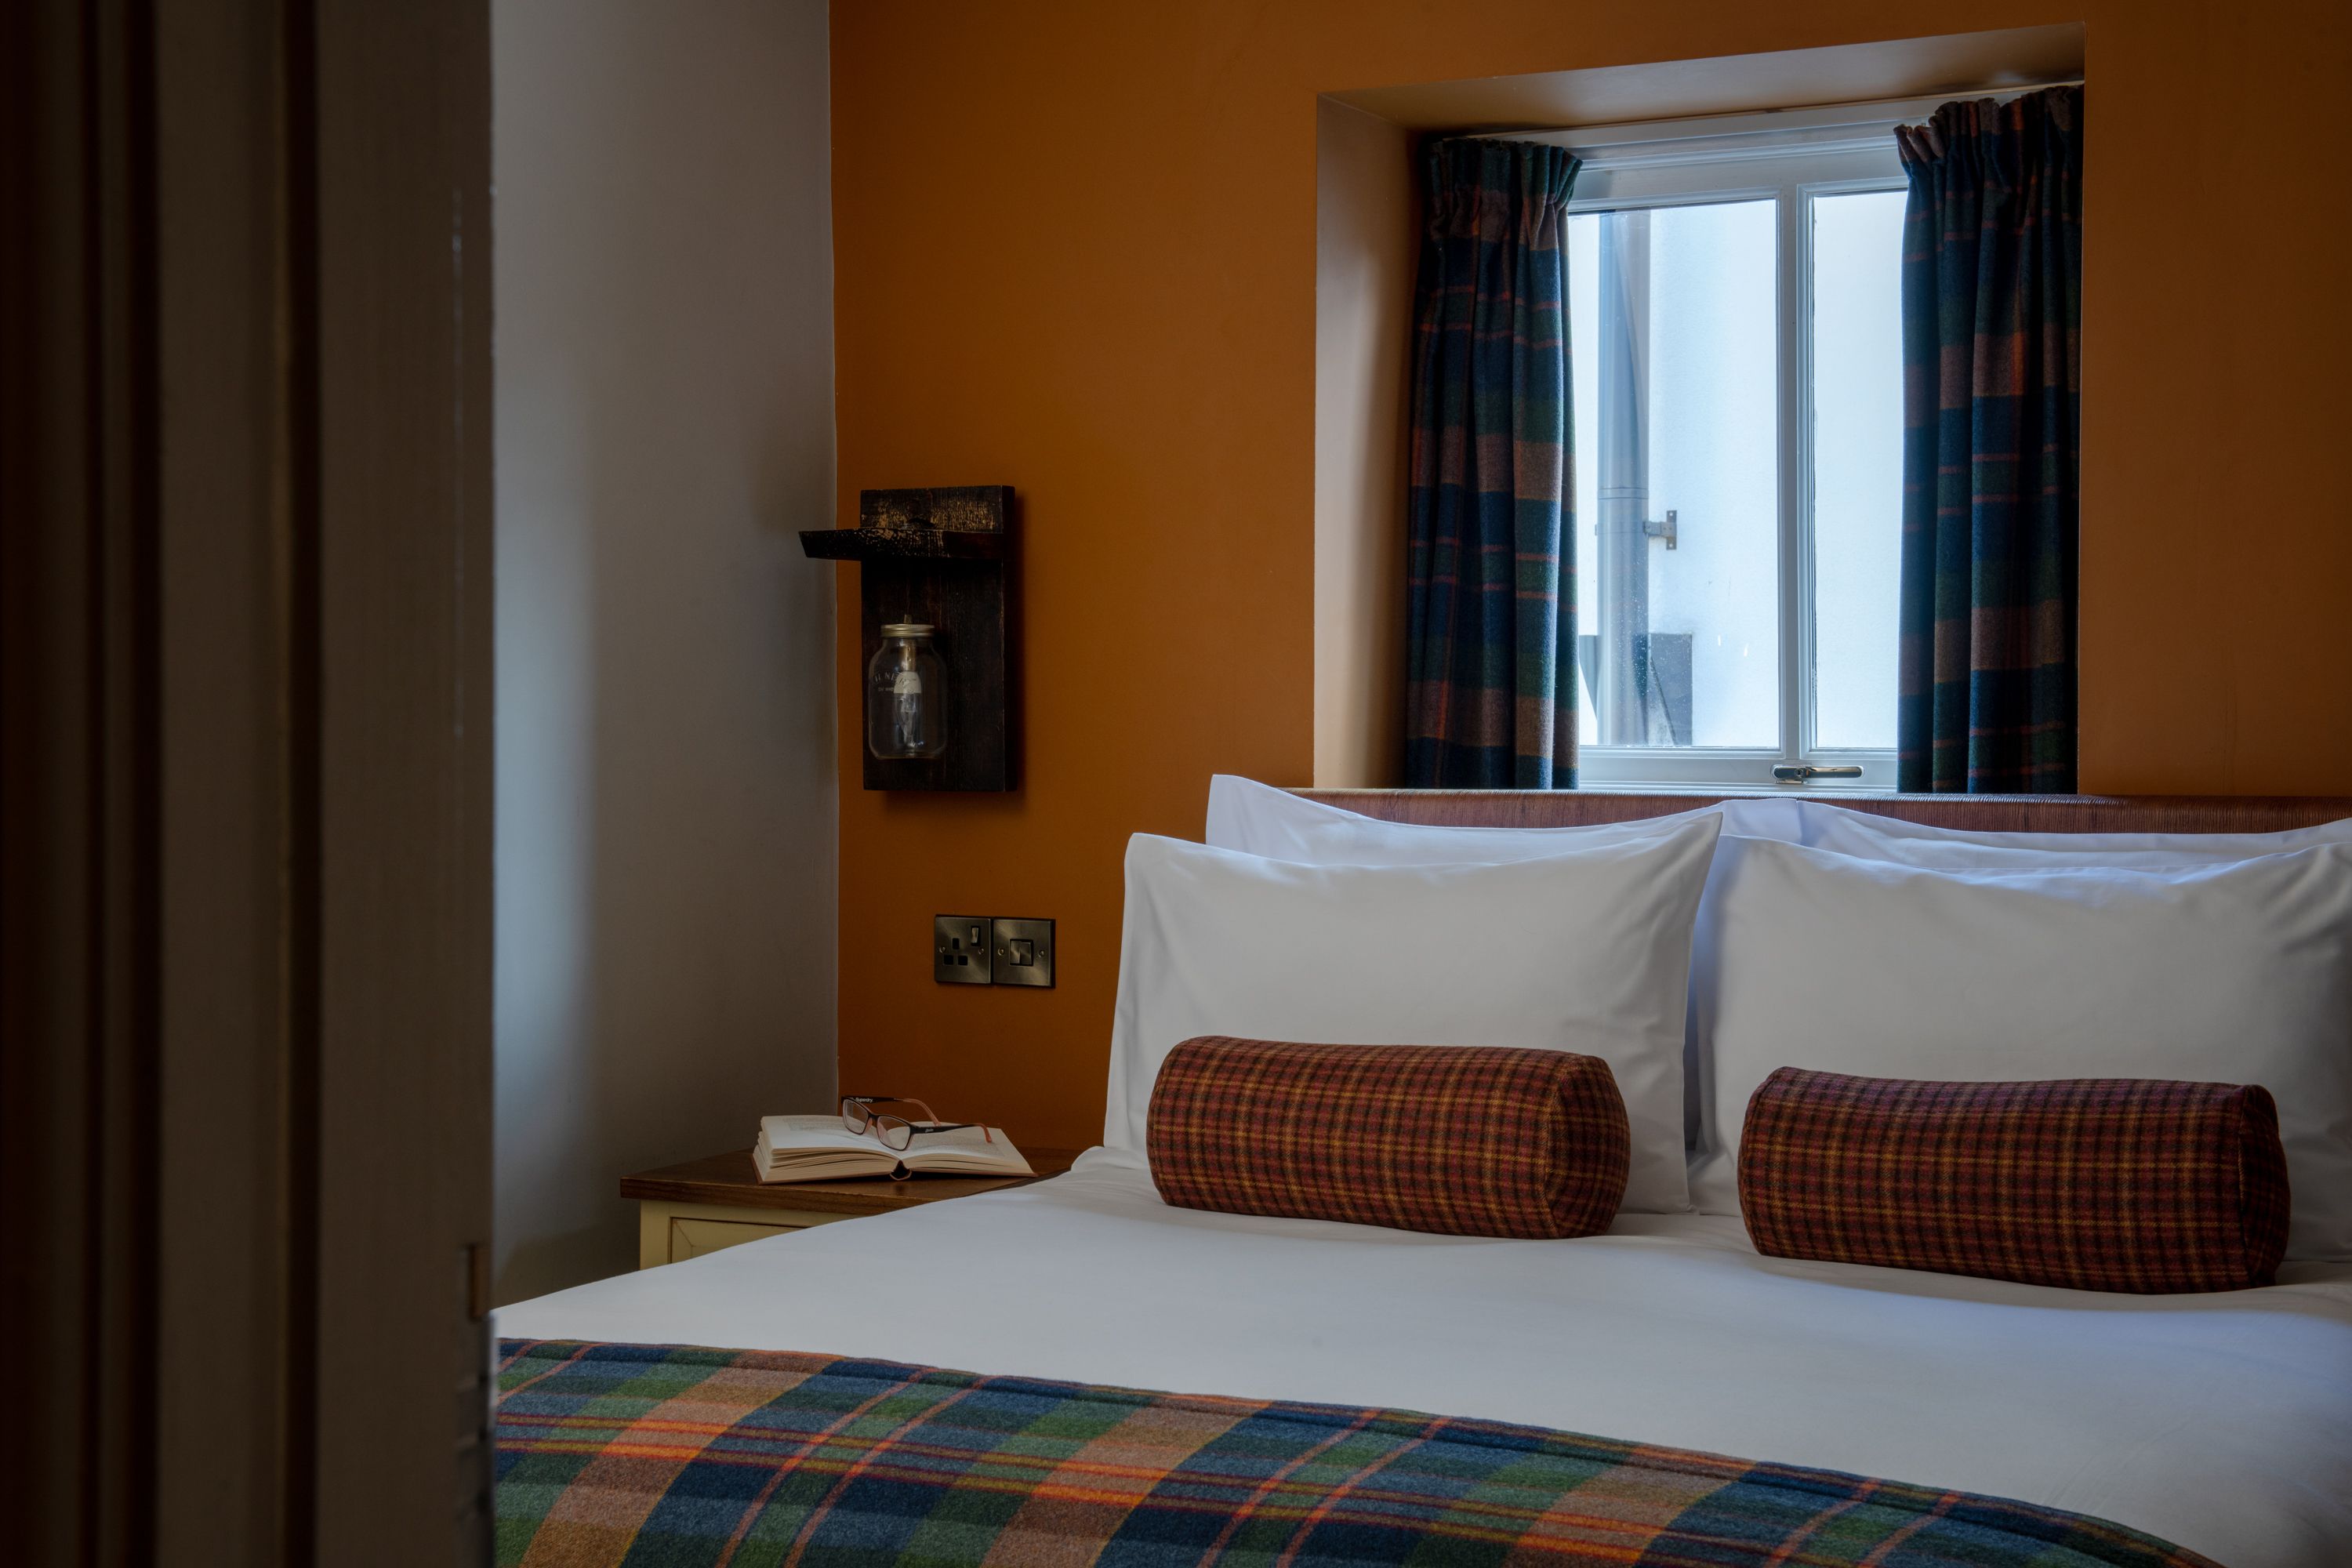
x,y
2221,1422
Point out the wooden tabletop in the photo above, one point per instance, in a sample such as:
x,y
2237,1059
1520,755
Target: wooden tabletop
x,y
731,1178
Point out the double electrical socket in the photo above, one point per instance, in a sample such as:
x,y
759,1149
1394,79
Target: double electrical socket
x,y
978,950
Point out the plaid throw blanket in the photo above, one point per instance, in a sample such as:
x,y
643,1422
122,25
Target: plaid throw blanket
x,y
651,1454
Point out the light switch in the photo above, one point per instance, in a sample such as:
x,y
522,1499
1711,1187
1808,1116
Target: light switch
x,y
1024,953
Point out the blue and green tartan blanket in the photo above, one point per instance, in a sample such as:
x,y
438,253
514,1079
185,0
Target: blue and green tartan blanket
x,y
632,1454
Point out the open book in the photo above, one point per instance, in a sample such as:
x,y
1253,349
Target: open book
x,y
820,1149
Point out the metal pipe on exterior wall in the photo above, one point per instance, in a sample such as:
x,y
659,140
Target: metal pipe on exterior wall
x,y
1624,476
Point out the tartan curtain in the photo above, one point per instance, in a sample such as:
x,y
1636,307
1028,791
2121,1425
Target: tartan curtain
x,y
1993,308
1490,633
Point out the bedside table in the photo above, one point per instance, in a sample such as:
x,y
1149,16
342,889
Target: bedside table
x,y
719,1200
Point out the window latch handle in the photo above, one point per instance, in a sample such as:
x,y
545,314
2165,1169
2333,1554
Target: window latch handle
x,y
1804,773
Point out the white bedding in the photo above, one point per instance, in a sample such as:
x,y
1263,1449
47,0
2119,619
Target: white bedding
x,y
2221,1422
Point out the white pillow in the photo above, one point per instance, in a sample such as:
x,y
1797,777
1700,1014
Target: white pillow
x,y
1873,838
2224,972
1259,819
1587,951
1262,820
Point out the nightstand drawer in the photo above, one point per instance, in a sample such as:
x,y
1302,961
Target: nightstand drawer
x,y
694,1237
673,1232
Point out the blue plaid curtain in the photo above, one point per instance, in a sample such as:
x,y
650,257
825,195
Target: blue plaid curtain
x,y
1992,311
1491,623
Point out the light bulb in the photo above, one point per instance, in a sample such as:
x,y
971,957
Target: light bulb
x,y
906,689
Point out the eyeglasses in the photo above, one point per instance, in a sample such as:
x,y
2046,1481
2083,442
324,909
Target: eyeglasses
x,y
895,1132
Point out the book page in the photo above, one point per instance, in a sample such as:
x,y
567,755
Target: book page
x,y
966,1149
824,1168
789,1134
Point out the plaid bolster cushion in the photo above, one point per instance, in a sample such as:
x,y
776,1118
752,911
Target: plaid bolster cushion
x,y
2138,1184
1459,1139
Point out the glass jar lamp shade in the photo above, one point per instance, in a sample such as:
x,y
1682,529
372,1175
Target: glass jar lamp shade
x,y
905,695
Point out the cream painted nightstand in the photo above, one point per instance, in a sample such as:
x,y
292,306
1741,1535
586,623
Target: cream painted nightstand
x,y
719,1200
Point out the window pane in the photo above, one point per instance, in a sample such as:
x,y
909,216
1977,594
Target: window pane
x,y
1673,324
1857,464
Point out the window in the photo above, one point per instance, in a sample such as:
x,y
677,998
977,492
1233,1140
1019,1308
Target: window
x,y
1734,316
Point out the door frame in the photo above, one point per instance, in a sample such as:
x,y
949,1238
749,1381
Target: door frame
x,y
245,778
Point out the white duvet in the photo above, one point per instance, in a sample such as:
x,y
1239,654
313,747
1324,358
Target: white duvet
x,y
2221,1422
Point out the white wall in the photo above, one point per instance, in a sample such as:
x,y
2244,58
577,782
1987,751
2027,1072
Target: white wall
x,y
666,839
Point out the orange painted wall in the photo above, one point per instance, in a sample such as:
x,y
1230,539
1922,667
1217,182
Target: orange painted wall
x,y
1075,251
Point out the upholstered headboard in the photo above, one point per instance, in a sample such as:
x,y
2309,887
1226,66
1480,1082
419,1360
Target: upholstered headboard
x,y
1986,813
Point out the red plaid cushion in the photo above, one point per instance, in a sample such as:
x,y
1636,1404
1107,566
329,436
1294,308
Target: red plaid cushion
x,y
2138,1185
1459,1139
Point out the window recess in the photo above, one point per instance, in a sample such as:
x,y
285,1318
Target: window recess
x,y
1734,304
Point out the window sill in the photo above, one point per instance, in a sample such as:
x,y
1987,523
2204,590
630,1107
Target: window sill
x,y
1745,788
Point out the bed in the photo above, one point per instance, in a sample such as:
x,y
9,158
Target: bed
x,y
2217,1425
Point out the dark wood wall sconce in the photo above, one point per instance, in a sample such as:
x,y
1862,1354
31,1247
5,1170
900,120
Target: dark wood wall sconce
x,y
944,559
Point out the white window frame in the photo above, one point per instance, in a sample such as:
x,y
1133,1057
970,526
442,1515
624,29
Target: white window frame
x,y
1791,157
